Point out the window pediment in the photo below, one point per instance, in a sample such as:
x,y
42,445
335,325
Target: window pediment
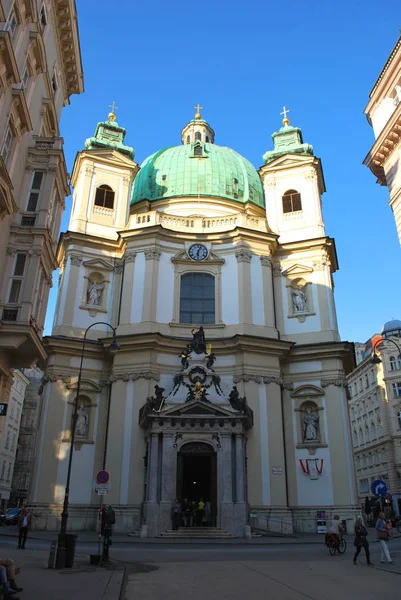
x,y
36,53
183,258
20,113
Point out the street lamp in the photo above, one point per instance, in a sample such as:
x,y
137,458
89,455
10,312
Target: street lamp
x,y
376,360
61,551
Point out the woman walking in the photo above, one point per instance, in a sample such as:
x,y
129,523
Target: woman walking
x,y
383,536
361,541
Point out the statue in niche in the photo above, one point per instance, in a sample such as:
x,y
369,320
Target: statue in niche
x,y
299,300
198,344
94,293
311,424
82,421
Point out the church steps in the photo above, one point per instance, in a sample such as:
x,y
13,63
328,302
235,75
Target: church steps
x,y
197,533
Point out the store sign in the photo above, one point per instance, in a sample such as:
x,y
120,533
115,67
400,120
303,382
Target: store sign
x,y
277,470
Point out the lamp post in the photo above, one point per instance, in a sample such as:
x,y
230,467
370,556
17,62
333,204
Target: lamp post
x,y
61,550
376,360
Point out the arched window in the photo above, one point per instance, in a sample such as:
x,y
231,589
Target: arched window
x,y
104,196
197,298
198,151
291,201
207,139
197,135
188,139
393,364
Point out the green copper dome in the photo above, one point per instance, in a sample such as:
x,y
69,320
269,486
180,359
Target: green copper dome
x,y
198,169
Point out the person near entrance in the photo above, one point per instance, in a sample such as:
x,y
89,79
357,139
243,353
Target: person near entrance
x,y
176,515
199,513
186,509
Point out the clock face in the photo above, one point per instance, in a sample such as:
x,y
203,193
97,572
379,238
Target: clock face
x,y
198,252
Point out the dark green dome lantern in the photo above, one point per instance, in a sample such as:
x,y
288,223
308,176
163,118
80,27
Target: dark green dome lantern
x,y
198,168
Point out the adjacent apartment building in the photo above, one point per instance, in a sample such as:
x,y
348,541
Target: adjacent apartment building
x,y
384,115
375,412
9,432
40,68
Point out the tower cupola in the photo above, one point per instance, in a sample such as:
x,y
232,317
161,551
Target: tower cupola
x,y
197,130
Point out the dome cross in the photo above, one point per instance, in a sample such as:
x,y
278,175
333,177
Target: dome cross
x,y
286,120
198,108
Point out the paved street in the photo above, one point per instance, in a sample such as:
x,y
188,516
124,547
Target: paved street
x,y
280,569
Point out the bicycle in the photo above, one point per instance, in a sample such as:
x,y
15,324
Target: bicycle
x,y
333,544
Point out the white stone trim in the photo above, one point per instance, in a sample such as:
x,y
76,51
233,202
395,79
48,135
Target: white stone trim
x,y
126,453
264,446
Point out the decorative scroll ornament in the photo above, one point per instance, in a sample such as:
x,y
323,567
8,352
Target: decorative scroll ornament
x,y
276,271
134,376
336,382
243,255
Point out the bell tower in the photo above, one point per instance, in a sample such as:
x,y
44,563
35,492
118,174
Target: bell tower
x,y
102,178
293,183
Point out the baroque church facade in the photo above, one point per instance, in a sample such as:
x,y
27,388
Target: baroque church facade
x,y
229,383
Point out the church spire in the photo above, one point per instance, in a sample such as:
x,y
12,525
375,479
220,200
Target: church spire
x,y
197,130
288,140
109,134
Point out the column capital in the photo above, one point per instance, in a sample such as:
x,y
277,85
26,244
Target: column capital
x,y
152,253
266,260
243,255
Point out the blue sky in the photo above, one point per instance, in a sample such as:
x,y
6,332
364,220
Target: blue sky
x,y
242,61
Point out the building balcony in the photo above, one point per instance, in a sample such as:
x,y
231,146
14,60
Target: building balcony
x,y
20,342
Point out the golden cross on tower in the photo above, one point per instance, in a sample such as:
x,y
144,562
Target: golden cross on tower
x,y
198,108
286,120
112,115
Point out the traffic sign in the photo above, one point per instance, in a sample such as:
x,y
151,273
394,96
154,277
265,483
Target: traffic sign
x,y
379,488
102,477
102,491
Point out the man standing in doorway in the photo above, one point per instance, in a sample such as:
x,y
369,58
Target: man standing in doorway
x,y
24,524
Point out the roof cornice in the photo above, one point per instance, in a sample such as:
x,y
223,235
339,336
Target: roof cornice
x,y
67,39
383,147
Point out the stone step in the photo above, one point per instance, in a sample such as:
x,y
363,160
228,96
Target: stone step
x,y
197,533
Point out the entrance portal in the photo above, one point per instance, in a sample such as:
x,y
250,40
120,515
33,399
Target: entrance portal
x,y
197,476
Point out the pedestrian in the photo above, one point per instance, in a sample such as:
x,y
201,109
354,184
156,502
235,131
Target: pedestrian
x,y
361,540
24,524
192,514
200,511
176,515
9,566
186,508
7,591
383,536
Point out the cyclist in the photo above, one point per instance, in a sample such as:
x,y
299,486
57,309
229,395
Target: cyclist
x,y
335,530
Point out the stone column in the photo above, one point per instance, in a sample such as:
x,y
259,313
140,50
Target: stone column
x,y
152,505
268,298
128,285
240,508
226,483
278,490
152,257
168,483
71,301
244,256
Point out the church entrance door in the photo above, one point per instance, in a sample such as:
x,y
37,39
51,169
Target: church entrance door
x,y
197,477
